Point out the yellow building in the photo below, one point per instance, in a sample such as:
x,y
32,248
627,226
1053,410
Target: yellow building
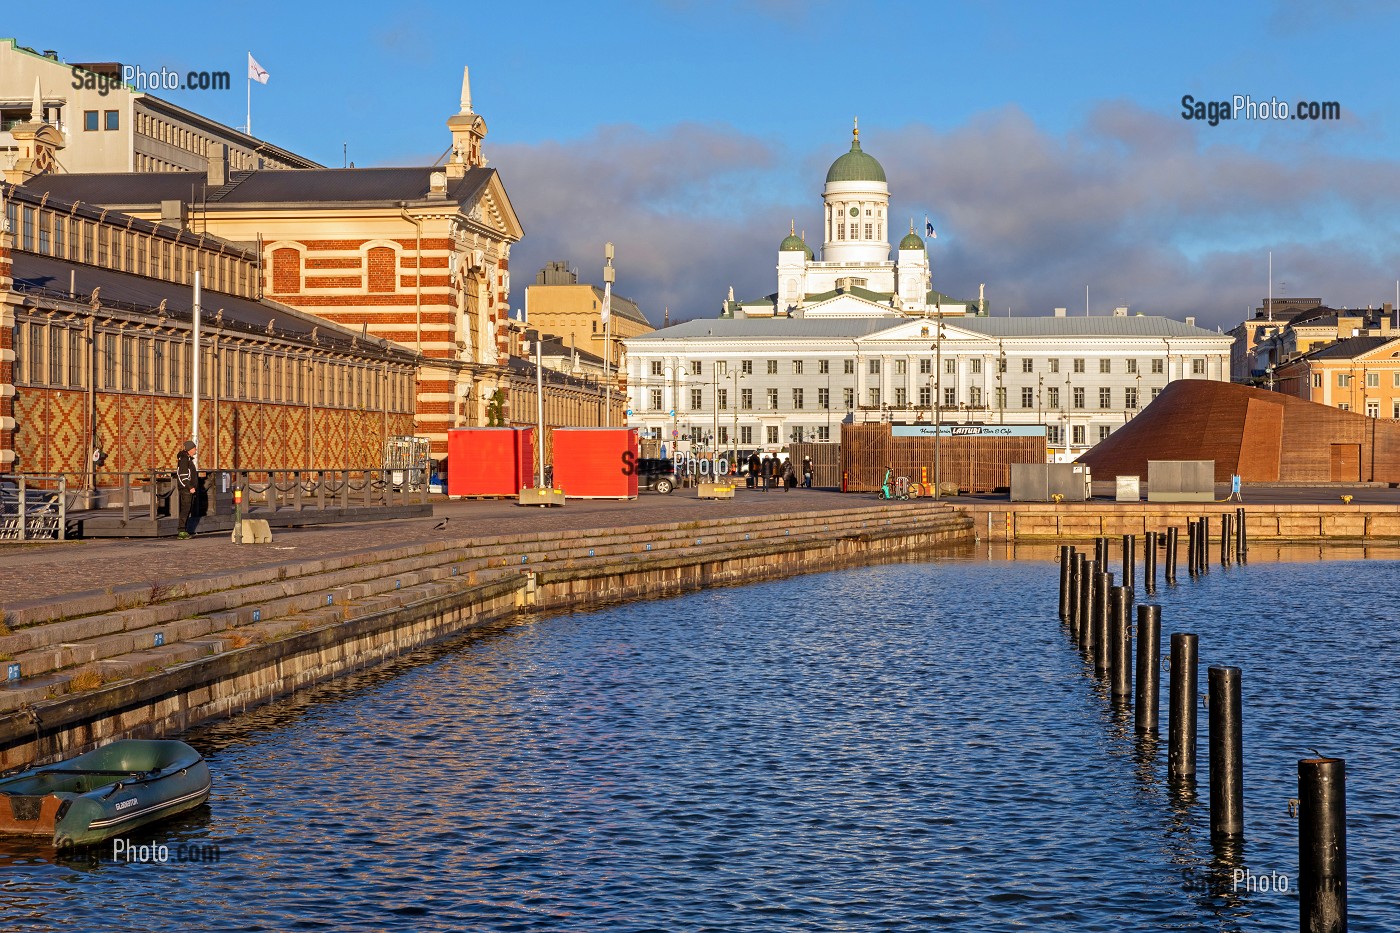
x,y
1360,374
563,308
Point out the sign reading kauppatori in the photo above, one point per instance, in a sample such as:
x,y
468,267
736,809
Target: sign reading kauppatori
x,y
968,430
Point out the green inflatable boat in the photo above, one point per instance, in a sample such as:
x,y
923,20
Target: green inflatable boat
x,y
106,792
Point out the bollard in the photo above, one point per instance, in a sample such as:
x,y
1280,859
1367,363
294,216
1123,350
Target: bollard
x,y
1089,575
1149,563
1102,587
1064,582
1181,709
1203,545
1322,845
1149,651
1190,548
1169,573
1076,565
1129,561
1101,551
1240,546
1226,753
1120,655
1225,539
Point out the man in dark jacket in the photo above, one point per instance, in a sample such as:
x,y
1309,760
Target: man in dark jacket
x,y
186,484
755,468
807,471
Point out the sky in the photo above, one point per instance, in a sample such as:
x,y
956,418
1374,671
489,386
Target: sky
x,y
1045,141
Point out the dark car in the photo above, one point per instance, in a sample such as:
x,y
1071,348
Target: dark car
x,y
657,474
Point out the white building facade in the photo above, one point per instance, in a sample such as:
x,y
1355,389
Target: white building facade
x,y
854,337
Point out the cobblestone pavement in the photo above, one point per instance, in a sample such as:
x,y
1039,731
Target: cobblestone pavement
x,y
32,572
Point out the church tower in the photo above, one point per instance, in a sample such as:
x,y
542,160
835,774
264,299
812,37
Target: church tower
x,y
856,203
468,130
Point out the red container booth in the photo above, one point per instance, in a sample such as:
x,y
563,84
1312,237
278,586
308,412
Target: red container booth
x,y
596,463
490,461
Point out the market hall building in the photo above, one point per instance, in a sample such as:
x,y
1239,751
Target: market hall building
x,y
854,336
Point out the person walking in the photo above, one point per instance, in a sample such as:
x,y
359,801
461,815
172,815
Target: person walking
x,y
187,484
789,475
807,471
755,469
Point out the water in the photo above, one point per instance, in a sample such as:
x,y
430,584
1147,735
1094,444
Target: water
x,y
902,747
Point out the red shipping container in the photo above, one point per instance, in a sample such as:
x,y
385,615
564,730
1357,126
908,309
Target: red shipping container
x,y
490,461
596,463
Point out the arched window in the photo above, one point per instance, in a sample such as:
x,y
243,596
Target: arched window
x,y
383,269
286,271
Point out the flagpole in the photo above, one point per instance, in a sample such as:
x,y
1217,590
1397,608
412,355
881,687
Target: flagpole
x,y
249,125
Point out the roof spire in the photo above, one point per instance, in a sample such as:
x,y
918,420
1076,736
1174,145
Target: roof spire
x,y
466,90
855,129
792,227
36,111
911,224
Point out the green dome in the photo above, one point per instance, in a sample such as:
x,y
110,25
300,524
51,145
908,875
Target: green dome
x,y
792,242
855,166
911,241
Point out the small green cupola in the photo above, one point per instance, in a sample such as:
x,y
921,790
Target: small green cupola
x,y
912,240
793,242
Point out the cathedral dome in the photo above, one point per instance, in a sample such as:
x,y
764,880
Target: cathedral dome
x,y
792,242
855,166
911,241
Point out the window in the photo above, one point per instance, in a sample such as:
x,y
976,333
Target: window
x,y
746,367
1001,364
722,396
950,367
1054,435
1105,397
926,367
695,368
869,232
1079,365
824,433
1028,365
772,434
797,399
109,361
746,399
1130,398
772,367
128,370
772,399
841,231
823,398
697,399
824,368
1395,379
850,367
1104,431
1027,397
1132,367
44,232
950,398
111,120
974,397
1157,367
1395,411
874,398
75,358
976,367
1078,434
1317,380
1052,397
1373,409
36,353
723,434
1373,380
901,398
1054,366
874,367
656,367
1344,406
1156,391
797,367
746,434
1105,366
1001,396
1198,367
143,365
90,121
60,248
900,367
925,396
26,241
655,399
1079,397
848,398
1343,380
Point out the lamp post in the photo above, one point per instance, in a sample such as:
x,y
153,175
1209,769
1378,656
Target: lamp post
x,y
828,401
714,404
609,276
734,400
938,412
1001,385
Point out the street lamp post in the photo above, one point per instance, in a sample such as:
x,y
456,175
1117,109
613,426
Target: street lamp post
x,y
734,400
609,276
938,413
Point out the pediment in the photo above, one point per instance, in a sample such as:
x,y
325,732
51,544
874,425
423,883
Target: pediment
x,y
849,306
921,329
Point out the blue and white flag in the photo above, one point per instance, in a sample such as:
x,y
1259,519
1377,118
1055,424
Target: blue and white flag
x,y
928,229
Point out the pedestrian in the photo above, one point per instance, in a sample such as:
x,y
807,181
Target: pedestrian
x,y
187,485
755,469
789,475
807,471
767,471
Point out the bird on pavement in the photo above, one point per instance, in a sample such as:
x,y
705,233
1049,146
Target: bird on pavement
x,y
442,525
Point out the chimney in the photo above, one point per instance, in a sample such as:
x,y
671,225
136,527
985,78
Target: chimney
x,y
1120,312
437,186
173,212
1060,312
1191,321
218,165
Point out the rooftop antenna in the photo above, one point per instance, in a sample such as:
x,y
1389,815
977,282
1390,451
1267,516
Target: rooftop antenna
x,y
1271,285
344,154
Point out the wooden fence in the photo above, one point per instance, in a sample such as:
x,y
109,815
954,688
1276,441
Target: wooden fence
x,y
826,462
975,464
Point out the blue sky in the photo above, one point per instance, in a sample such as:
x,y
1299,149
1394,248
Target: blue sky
x,y
1045,140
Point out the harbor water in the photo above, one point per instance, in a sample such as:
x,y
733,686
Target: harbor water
x,y
912,746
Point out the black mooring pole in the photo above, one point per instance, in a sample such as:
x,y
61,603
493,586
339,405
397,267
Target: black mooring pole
x,y
1076,563
1064,582
1121,644
1322,845
1190,547
1181,709
1225,539
1226,753
1129,561
1241,546
1102,588
1088,580
1169,573
1149,660
1149,562
1203,548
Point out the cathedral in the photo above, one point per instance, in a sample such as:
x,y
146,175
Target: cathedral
x,y
855,276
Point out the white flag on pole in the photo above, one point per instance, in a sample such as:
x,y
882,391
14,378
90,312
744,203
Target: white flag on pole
x,y
256,72
607,301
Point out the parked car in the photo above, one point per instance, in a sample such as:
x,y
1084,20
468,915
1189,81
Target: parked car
x,y
656,474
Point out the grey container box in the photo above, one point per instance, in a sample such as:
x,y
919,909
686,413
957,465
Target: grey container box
x,y
1041,482
1129,489
1181,481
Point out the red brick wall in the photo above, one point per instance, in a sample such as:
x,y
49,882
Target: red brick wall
x,y
382,269
286,271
